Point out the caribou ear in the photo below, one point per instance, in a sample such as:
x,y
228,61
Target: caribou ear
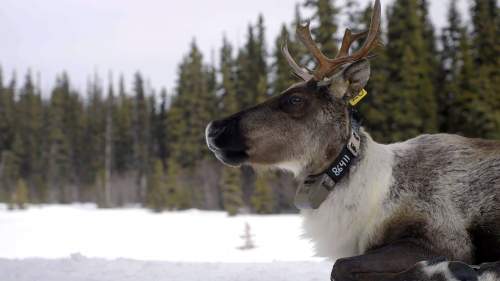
x,y
356,76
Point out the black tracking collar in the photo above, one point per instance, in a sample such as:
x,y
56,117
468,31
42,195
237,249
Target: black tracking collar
x,y
315,189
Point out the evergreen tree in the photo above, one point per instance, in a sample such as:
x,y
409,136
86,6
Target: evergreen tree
x,y
191,109
246,72
20,196
124,137
325,14
231,190
450,62
228,84
162,133
9,166
58,154
261,62
429,38
485,21
177,194
468,111
10,170
108,145
141,135
262,199
253,84
461,109
354,15
283,76
154,124
29,115
156,196
486,42
296,48
411,106
7,113
374,106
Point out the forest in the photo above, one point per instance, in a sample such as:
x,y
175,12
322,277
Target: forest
x,y
116,147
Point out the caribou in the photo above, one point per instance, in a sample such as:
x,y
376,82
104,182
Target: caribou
x,y
424,209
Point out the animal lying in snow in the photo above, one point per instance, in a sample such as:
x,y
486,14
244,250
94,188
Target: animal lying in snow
x,y
424,209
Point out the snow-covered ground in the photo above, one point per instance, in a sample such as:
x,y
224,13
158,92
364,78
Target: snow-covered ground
x,y
84,269
80,242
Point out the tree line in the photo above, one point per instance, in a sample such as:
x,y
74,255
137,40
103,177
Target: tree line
x,y
115,147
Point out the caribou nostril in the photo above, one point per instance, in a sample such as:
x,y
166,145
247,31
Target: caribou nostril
x,y
214,131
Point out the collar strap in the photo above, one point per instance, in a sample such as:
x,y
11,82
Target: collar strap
x,y
340,166
315,189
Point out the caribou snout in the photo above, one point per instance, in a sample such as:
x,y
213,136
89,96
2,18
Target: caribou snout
x,y
225,140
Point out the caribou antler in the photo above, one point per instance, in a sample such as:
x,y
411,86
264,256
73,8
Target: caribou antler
x,y
299,71
327,66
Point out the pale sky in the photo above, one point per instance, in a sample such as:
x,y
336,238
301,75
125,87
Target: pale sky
x,y
84,36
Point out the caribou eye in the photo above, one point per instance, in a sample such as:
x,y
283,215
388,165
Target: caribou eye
x,y
295,100
294,104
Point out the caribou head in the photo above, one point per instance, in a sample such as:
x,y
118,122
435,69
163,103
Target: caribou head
x,y
305,127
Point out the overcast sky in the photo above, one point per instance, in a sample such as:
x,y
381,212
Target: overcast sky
x,y
84,36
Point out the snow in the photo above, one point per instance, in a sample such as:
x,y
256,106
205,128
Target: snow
x,y
81,242
84,269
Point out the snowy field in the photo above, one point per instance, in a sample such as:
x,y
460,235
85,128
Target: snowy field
x,y
80,242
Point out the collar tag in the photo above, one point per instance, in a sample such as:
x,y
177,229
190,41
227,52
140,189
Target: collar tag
x,y
358,97
342,163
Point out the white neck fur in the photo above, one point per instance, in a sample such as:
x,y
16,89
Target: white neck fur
x,y
347,220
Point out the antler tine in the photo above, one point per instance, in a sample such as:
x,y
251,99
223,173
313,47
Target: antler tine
x,y
327,66
347,41
299,71
371,41
304,34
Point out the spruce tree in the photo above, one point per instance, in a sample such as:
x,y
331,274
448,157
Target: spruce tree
x,y
354,14
191,109
429,38
228,84
374,107
156,195
74,127
29,115
177,194
296,48
20,196
154,125
9,166
411,106
108,145
262,198
231,190
486,42
246,72
325,15
58,148
161,132
468,109
7,114
141,135
450,62
10,169
462,110
261,62
283,76
124,133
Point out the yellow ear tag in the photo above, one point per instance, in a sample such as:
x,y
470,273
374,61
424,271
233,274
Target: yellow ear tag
x,y
358,97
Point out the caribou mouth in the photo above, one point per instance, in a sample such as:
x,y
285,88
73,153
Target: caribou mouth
x,y
231,158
